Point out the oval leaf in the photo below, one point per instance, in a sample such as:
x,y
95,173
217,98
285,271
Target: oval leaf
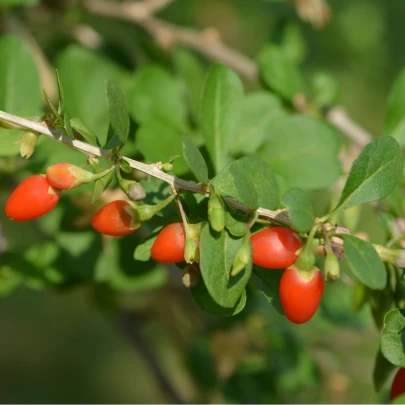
x,y
222,94
191,71
395,117
392,341
374,174
195,160
304,151
280,72
245,186
260,174
19,78
117,108
300,209
217,254
155,96
258,114
205,301
85,132
364,262
83,73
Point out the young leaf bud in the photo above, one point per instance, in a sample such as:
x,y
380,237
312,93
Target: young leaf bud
x,y
27,144
167,167
243,257
136,192
216,213
332,268
191,251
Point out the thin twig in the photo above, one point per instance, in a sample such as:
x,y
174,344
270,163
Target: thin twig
x,y
150,169
168,35
339,118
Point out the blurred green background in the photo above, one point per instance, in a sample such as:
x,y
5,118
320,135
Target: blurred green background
x,y
57,346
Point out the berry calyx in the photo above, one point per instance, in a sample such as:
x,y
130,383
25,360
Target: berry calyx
x,y
398,385
32,198
275,248
170,243
301,293
66,176
116,218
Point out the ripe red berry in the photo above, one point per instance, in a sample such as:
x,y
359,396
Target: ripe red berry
x,y
116,218
169,245
398,385
300,293
32,198
275,248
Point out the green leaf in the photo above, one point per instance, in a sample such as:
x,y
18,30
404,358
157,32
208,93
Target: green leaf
x,y
222,95
143,250
9,280
300,210
113,140
205,301
194,159
374,174
56,115
382,371
261,176
326,89
100,185
154,278
304,151
157,142
68,127
117,108
217,251
191,72
83,73
85,132
280,72
392,341
258,114
395,116
61,107
364,262
235,223
20,91
244,186
293,43
155,96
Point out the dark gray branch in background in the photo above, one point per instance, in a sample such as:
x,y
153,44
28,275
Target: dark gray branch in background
x,y
128,323
168,35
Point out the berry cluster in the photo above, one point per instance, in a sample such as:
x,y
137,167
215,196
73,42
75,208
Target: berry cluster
x,y
272,248
39,194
